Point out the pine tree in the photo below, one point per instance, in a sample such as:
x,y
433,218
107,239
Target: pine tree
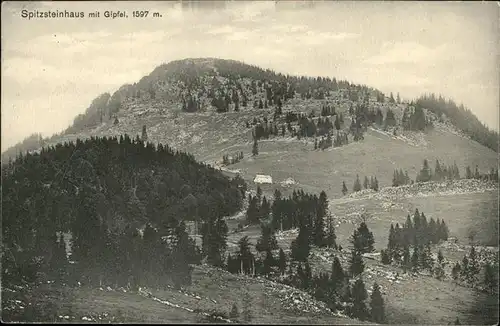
x,y
468,172
252,214
456,271
359,296
300,246
282,262
337,122
477,175
331,237
365,183
144,134
392,244
362,239
375,184
357,266
406,259
439,269
473,266
357,185
319,222
269,262
490,281
415,259
338,275
245,256
377,310
425,173
306,282
267,240
442,231
425,260
385,257
344,188
214,240
438,172
255,148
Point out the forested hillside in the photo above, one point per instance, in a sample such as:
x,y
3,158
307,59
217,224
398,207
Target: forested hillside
x,y
216,85
103,191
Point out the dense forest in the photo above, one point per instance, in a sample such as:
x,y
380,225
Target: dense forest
x,y
461,117
123,201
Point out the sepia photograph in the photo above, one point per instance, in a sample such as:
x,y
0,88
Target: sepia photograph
x,y
250,162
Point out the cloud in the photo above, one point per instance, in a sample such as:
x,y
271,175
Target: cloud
x,y
252,11
319,38
407,52
226,29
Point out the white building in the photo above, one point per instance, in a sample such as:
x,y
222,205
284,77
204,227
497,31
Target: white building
x,y
263,178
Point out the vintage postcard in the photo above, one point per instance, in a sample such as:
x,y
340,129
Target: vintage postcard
x,y
253,162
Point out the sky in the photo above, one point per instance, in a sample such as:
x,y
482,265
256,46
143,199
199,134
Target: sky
x,y
52,68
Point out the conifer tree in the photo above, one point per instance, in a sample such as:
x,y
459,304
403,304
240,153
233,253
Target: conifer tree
x,y
214,235
267,240
255,148
331,237
438,173
468,172
300,246
306,282
357,266
144,136
362,239
252,214
337,122
377,310
456,271
464,270
477,175
365,183
338,275
440,264
282,261
391,244
490,281
385,257
269,262
425,173
319,222
357,185
245,256
344,188
425,260
473,267
415,258
359,296
375,184
406,259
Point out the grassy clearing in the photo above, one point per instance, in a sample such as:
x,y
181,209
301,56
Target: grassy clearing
x,y
212,290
